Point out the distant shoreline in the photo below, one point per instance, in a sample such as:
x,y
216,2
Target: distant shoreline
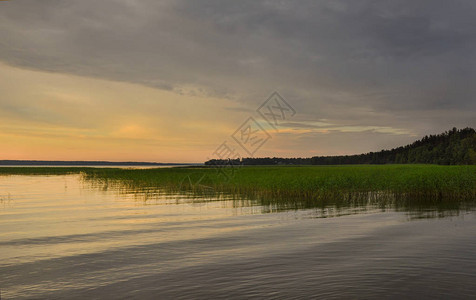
x,y
86,163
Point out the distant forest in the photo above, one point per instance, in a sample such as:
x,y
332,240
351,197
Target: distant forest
x,y
453,147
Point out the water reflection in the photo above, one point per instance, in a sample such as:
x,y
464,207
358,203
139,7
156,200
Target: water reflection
x,y
415,206
63,238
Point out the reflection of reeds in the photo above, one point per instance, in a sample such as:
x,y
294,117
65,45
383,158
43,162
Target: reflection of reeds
x,y
404,187
5,199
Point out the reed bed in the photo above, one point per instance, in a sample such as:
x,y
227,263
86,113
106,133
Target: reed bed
x,y
296,186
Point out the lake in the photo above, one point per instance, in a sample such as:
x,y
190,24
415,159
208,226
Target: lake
x,y
65,237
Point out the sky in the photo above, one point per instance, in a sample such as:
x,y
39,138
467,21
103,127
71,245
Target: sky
x,y
172,81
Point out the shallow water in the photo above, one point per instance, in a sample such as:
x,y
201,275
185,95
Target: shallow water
x,y
62,237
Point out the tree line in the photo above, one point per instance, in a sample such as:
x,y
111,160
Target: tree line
x,y
453,147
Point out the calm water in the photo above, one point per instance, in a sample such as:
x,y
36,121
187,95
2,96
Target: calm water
x,y
61,237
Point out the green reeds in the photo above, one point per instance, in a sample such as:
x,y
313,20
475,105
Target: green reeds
x,y
296,186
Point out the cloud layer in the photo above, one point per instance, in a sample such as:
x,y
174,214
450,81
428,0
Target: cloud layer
x,y
405,66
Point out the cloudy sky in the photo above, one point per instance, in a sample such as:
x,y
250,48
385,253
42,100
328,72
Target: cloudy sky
x,y
169,81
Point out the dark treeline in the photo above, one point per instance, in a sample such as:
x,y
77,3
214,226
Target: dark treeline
x,y
453,147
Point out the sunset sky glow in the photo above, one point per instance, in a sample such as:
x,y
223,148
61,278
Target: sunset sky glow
x,y
169,81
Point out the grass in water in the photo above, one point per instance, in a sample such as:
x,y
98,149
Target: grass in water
x,y
297,186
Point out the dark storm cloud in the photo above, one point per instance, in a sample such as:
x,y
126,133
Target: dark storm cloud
x,y
399,64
